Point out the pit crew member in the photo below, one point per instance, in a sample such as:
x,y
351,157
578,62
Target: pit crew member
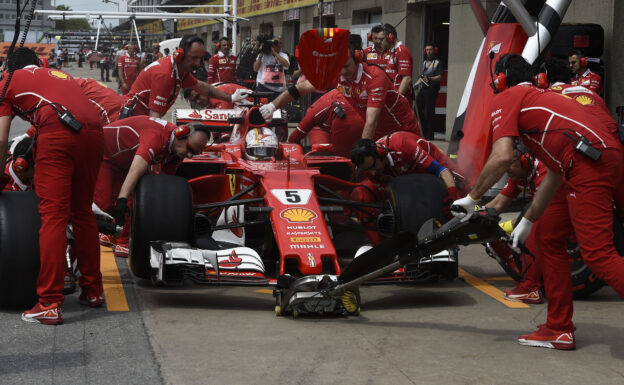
x,y
429,86
105,99
525,175
581,75
19,171
222,66
376,54
128,69
399,63
577,151
331,119
131,146
370,92
157,86
68,155
397,154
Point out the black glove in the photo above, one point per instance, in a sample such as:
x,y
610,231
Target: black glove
x,y
120,210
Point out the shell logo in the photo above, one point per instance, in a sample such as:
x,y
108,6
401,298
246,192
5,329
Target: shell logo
x,y
557,88
298,215
59,74
584,100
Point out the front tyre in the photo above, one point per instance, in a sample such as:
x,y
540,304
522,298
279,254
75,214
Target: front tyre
x,y
162,210
19,249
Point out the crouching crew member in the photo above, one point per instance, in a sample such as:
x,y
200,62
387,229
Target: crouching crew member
x,y
369,90
397,154
106,100
331,119
68,155
157,86
131,146
572,144
525,176
19,170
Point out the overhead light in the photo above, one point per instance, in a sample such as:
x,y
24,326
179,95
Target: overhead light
x,y
446,23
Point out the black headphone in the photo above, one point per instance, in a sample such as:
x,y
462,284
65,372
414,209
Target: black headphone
x,y
499,81
390,32
367,147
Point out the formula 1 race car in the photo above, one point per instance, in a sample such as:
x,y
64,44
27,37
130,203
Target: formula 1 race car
x,y
228,219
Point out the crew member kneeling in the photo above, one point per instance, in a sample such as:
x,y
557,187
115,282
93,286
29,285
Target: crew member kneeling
x,y
131,146
397,154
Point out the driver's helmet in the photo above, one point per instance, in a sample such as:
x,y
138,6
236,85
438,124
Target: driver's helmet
x,y
260,143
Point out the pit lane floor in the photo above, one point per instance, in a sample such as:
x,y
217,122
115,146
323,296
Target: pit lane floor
x,y
438,333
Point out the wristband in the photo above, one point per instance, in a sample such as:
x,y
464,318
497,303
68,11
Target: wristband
x,y
294,92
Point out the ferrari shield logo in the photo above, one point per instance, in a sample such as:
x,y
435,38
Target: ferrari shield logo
x,y
232,183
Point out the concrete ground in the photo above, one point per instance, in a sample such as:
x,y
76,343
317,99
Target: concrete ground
x,y
449,332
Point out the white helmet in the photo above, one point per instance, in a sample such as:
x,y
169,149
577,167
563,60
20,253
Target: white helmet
x,y
260,143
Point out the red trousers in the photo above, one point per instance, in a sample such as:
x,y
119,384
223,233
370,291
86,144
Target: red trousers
x,y
67,165
583,205
109,181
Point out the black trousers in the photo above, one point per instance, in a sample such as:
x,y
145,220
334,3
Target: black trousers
x,y
425,102
104,67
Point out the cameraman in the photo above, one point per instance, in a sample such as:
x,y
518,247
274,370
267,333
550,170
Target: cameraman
x,y
270,65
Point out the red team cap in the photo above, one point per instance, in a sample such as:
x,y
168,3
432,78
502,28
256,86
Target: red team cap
x,y
321,53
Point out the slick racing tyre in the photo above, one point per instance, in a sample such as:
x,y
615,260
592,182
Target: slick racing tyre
x,y
162,211
19,249
415,199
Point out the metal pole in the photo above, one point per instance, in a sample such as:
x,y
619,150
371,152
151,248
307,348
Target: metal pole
x,y
137,34
97,37
320,13
225,22
234,24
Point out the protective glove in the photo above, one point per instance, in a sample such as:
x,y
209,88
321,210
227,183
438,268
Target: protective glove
x,y
463,208
240,94
120,210
267,111
521,232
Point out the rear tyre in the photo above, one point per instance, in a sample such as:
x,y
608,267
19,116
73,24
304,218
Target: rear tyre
x,y
415,199
162,210
19,249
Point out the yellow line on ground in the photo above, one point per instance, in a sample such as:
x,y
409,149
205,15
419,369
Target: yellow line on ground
x,y
264,291
113,287
498,279
490,290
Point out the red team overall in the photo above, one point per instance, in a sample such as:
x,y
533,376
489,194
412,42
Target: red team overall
x,y
149,138
331,119
222,65
128,66
67,165
106,100
561,134
397,154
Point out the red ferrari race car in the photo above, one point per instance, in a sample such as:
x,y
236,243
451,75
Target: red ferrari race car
x,y
253,211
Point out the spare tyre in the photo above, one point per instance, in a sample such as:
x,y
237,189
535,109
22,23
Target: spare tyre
x,y
162,210
19,249
415,199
